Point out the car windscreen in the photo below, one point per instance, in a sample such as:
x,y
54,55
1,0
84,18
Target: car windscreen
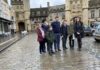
x,y
98,27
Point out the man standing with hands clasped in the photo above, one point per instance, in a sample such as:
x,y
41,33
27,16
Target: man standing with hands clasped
x,y
64,34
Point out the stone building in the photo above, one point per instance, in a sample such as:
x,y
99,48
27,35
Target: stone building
x,y
49,12
38,14
5,18
58,10
77,8
22,14
94,10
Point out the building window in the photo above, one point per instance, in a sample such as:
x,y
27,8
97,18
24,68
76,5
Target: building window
x,y
44,12
17,14
99,12
92,13
0,13
38,12
12,18
17,7
21,7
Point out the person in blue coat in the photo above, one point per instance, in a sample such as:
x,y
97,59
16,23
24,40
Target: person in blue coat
x,y
56,29
64,34
79,31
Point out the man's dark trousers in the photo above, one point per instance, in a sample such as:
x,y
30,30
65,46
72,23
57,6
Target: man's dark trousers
x,y
57,42
64,41
71,41
49,47
79,40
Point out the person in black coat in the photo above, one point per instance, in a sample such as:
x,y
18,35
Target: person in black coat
x,y
45,28
64,34
79,31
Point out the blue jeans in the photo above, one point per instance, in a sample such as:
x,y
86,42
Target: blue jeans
x,y
57,42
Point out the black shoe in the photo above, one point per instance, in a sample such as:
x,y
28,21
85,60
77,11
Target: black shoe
x,y
72,48
53,52
59,50
79,49
44,51
50,53
40,52
66,48
56,51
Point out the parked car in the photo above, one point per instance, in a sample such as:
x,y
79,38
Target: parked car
x,y
88,31
95,25
97,33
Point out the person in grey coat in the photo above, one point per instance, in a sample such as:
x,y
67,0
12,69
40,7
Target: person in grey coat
x,y
71,34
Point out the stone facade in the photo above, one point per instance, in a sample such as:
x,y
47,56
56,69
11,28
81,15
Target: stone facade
x,y
5,10
38,14
58,10
5,18
22,14
94,10
0,8
49,12
76,8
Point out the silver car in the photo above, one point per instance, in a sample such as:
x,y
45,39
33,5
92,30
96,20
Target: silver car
x,y
97,33
95,25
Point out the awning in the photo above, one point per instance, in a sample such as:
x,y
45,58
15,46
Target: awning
x,y
5,20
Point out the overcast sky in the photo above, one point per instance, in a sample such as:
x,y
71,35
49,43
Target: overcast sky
x,y
43,3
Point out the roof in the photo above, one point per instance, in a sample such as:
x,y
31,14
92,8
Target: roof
x,y
94,3
38,9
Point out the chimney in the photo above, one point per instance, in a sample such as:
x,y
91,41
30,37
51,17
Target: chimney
x,y
40,6
48,4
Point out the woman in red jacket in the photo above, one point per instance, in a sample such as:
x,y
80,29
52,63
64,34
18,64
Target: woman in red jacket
x,y
41,37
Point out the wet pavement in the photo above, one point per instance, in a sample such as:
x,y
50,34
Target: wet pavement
x,y
24,55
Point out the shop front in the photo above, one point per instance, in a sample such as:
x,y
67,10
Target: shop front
x,y
5,30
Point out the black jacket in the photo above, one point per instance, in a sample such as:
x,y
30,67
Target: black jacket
x,y
56,26
64,30
79,27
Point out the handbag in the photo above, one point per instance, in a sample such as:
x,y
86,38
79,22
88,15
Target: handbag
x,y
73,37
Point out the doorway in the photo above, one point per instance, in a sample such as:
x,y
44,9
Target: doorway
x,y
21,26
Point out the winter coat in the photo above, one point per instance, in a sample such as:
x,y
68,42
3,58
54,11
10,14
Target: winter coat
x,y
50,36
45,27
39,34
64,30
56,26
79,27
71,29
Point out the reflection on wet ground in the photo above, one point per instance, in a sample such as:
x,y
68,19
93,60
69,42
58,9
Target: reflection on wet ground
x,y
24,55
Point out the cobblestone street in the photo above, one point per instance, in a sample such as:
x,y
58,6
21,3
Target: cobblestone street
x,y
24,55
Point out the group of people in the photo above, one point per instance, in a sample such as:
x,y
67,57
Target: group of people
x,y
51,34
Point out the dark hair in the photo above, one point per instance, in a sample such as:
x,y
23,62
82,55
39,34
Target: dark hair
x,y
56,17
43,20
64,21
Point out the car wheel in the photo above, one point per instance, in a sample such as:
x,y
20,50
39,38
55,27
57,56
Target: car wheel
x,y
97,40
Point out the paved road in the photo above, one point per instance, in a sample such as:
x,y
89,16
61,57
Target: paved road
x,y
24,55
